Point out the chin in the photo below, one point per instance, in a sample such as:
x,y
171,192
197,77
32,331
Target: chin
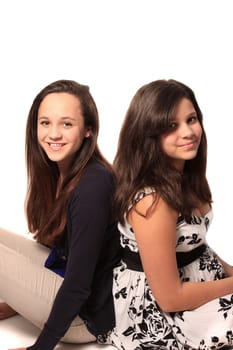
x,y
190,158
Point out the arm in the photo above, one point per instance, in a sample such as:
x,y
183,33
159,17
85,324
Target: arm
x,y
156,238
88,216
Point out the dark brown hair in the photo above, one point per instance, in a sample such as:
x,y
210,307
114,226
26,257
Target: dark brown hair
x,y
45,209
140,161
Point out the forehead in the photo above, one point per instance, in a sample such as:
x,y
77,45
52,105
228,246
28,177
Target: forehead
x,y
61,103
183,108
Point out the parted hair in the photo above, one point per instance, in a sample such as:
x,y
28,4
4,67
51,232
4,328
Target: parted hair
x,y
140,161
45,208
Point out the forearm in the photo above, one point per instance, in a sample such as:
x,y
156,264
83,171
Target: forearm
x,y
44,341
191,295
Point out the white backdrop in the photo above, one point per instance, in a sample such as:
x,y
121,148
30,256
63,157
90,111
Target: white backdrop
x,y
115,47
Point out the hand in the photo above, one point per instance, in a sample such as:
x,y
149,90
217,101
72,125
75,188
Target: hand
x,y
18,349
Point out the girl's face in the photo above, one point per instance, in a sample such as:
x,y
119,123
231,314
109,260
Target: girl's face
x,y
181,142
60,128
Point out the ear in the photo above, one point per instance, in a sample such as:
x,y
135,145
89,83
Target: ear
x,y
88,132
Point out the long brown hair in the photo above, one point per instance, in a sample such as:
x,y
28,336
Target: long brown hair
x,y
140,161
45,209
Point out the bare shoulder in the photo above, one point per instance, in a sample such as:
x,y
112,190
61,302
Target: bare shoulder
x,y
152,204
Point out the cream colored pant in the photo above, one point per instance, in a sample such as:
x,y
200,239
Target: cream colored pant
x,y
30,288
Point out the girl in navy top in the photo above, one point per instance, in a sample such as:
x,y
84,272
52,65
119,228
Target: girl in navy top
x,y
69,213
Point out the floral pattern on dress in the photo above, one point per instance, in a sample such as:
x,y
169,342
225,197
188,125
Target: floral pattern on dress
x,y
140,323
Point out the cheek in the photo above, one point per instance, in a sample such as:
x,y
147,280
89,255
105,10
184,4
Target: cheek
x,y
199,131
40,134
76,139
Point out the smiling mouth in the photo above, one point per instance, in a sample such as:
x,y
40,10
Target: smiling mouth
x,y
189,144
56,146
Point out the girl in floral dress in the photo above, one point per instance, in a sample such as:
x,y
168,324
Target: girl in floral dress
x,y
171,291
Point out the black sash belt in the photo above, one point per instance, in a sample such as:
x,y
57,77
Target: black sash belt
x,y
133,260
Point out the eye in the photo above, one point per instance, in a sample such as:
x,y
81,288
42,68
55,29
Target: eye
x,y
172,126
44,122
67,124
193,119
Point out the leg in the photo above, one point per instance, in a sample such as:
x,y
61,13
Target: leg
x,y
28,287
25,283
22,245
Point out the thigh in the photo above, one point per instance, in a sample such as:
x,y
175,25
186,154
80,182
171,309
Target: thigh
x,y
27,286
24,245
30,288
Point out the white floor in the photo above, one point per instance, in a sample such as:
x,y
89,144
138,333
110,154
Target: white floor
x,y
17,332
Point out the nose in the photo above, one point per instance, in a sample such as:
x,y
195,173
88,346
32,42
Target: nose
x,y
186,130
54,132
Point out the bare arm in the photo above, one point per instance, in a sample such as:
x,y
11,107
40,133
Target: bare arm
x,y
156,238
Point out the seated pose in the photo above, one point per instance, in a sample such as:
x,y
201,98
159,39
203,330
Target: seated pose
x,y
171,291
62,282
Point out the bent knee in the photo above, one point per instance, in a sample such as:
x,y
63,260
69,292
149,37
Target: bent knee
x,y
78,333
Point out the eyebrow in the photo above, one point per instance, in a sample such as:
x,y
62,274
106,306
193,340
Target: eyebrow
x,y
192,114
67,117
62,118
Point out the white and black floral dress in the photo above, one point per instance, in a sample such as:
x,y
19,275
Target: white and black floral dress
x,y
140,324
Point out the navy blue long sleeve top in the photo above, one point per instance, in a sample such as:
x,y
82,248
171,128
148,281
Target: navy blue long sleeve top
x,y
92,249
